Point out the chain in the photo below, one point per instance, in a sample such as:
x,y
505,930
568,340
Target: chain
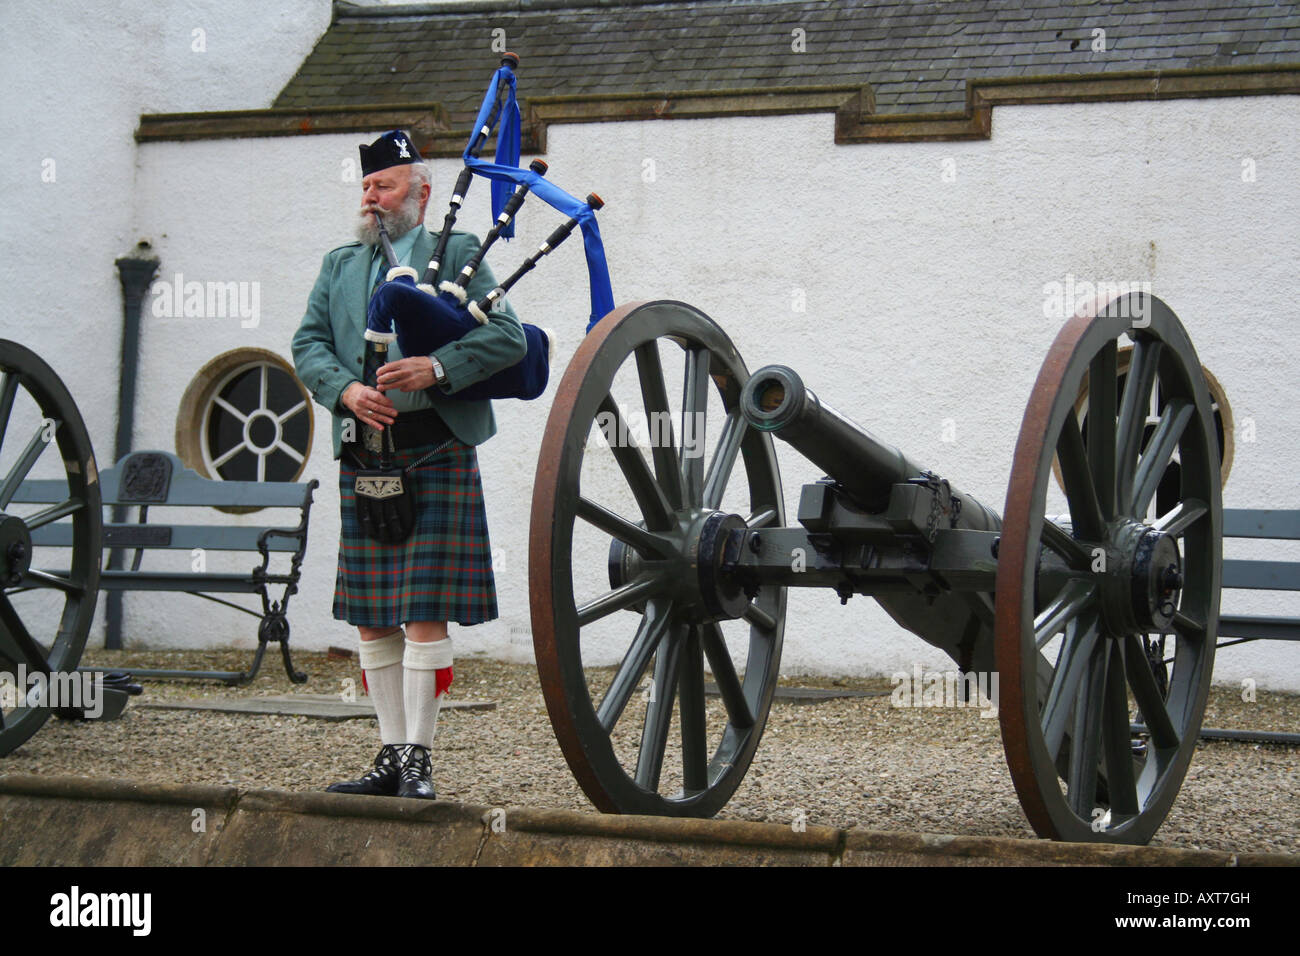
x,y
939,491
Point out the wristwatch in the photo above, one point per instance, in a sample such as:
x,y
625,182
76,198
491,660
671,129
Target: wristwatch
x,y
439,376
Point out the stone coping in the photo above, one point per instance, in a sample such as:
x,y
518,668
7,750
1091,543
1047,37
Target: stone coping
x,y
83,821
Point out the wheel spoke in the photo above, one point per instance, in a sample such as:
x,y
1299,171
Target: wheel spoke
x,y
695,404
761,519
1151,705
659,711
1133,412
757,616
1080,640
659,420
1085,735
647,544
1173,422
42,518
1189,624
654,625
690,694
1102,384
8,392
650,497
724,459
1117,740
16,643
1076,475
54,581
617,600
1077,596
724,675
1181,517
25,461
1064,544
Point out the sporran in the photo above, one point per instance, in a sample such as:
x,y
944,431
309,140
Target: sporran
x,y
385,505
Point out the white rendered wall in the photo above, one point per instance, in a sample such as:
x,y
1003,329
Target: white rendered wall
x,y
75,77
924,297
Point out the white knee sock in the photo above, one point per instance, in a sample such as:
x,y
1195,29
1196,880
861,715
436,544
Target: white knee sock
x,y
421,663
381,660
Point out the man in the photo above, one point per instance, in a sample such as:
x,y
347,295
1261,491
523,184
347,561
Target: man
x,y
443,572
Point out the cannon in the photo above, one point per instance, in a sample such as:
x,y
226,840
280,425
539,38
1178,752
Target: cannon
x,y
645,550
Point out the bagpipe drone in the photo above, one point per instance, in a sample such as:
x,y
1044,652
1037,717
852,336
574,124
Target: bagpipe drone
x,y
422,318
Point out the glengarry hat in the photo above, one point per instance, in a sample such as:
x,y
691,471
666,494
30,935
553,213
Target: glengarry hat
x,y
394,148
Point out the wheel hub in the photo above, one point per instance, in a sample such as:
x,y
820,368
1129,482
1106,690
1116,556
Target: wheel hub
x,y
1142,579
15,549
702,590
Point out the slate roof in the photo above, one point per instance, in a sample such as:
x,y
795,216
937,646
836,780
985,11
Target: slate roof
x,y
917,56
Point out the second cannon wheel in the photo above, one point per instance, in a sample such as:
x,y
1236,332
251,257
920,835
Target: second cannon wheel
x,y
632,489
1107,613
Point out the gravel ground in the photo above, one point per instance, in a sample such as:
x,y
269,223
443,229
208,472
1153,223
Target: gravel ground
x,y
843,762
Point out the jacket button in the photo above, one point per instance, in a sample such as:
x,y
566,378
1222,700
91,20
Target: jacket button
x,y
336,368
360,358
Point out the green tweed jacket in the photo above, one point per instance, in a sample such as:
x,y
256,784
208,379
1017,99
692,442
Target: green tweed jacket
x,y
329,347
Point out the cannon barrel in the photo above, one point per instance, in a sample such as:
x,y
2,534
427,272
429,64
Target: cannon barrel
x,y
776,400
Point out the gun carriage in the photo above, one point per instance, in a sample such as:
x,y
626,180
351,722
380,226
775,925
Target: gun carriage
x,y
1069,609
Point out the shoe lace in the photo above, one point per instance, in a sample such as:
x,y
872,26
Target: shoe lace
x,y
387,763
415,763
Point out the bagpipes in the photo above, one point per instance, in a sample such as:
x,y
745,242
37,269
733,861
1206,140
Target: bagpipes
x,y
425,318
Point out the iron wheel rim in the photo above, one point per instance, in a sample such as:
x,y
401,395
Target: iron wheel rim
x,y
584,740
21,369
1098,658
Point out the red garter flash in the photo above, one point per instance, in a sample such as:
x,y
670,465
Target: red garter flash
x,y
442,680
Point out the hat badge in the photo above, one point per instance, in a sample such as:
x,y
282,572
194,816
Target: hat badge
x,y
401,147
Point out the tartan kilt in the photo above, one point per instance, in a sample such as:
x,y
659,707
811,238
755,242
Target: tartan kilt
x,y
443,571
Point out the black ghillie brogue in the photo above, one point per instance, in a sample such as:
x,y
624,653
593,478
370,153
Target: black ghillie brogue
x,y
380,782
416,773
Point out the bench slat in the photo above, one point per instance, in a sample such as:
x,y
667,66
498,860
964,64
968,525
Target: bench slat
x,y
181,537
210,494
181,581
187,488
1261,523
1262,628
1261,575
42,491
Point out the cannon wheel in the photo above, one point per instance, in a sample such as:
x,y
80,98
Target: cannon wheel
x,y
654,573
35,405
1096,742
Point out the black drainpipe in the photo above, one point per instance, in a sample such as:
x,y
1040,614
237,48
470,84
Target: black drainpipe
x,y
136,273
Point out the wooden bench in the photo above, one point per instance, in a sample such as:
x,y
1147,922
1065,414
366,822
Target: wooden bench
x,y
1258,575
153,479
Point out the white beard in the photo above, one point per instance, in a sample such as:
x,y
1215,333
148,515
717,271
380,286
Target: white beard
x,y
398,222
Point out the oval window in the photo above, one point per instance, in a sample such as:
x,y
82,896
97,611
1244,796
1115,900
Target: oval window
x,y
246,417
